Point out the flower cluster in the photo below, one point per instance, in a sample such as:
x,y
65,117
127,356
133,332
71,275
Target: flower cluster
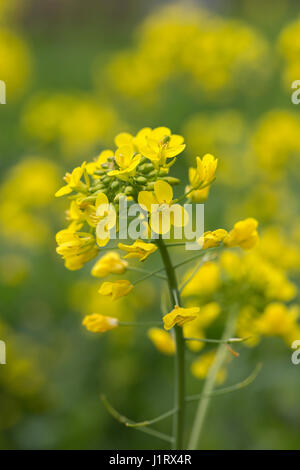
x,y
169,43
138,170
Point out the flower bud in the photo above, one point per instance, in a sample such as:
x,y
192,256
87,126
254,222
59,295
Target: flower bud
x,y
106,180
146,168
141,180
171,180
129,190
118,197
115,184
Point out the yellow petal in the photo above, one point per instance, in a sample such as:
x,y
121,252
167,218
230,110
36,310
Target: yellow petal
x,y
163,192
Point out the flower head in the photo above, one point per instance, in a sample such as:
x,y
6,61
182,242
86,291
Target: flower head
x,y
110,263
243,234
138,249
116,289
99,323
179,316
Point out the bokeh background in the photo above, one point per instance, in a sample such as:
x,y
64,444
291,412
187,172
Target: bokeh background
x,y
77,73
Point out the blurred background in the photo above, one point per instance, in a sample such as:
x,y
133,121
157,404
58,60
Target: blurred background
x,y
77,73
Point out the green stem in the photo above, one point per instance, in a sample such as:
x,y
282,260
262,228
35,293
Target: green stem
x,y
178,424
210,383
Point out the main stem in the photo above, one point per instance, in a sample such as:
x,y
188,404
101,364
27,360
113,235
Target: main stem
x,y
178,425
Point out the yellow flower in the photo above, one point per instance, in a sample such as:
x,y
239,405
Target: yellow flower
x,y
116,289
205,282
124,138
161,145
76,248
208,313
212,239
138,249
200,367
247,325
278,320
102,211
73,181
179,316
99,323
102,158
164,212
162,340
110,263
205,171
127,161
243,234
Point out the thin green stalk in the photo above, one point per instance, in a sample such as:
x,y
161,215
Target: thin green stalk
x,y
178,423
135,323
144,271
124,420
210,383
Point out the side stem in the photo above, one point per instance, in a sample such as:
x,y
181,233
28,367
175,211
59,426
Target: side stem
x,y
210,383
179,405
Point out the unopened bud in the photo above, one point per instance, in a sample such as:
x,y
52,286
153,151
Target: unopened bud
x,y
141,180
115,185
163,171
129,190
171,180
106,180
146,168
118,197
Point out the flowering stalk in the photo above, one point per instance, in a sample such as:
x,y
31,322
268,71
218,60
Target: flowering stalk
x,y
178,426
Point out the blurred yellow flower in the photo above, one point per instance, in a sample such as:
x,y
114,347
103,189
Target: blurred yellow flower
x,y
179,316
200,367
99,323
279,320
76,121
110,263
162,340
243,234
205,281
116,289
208,313
16,63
